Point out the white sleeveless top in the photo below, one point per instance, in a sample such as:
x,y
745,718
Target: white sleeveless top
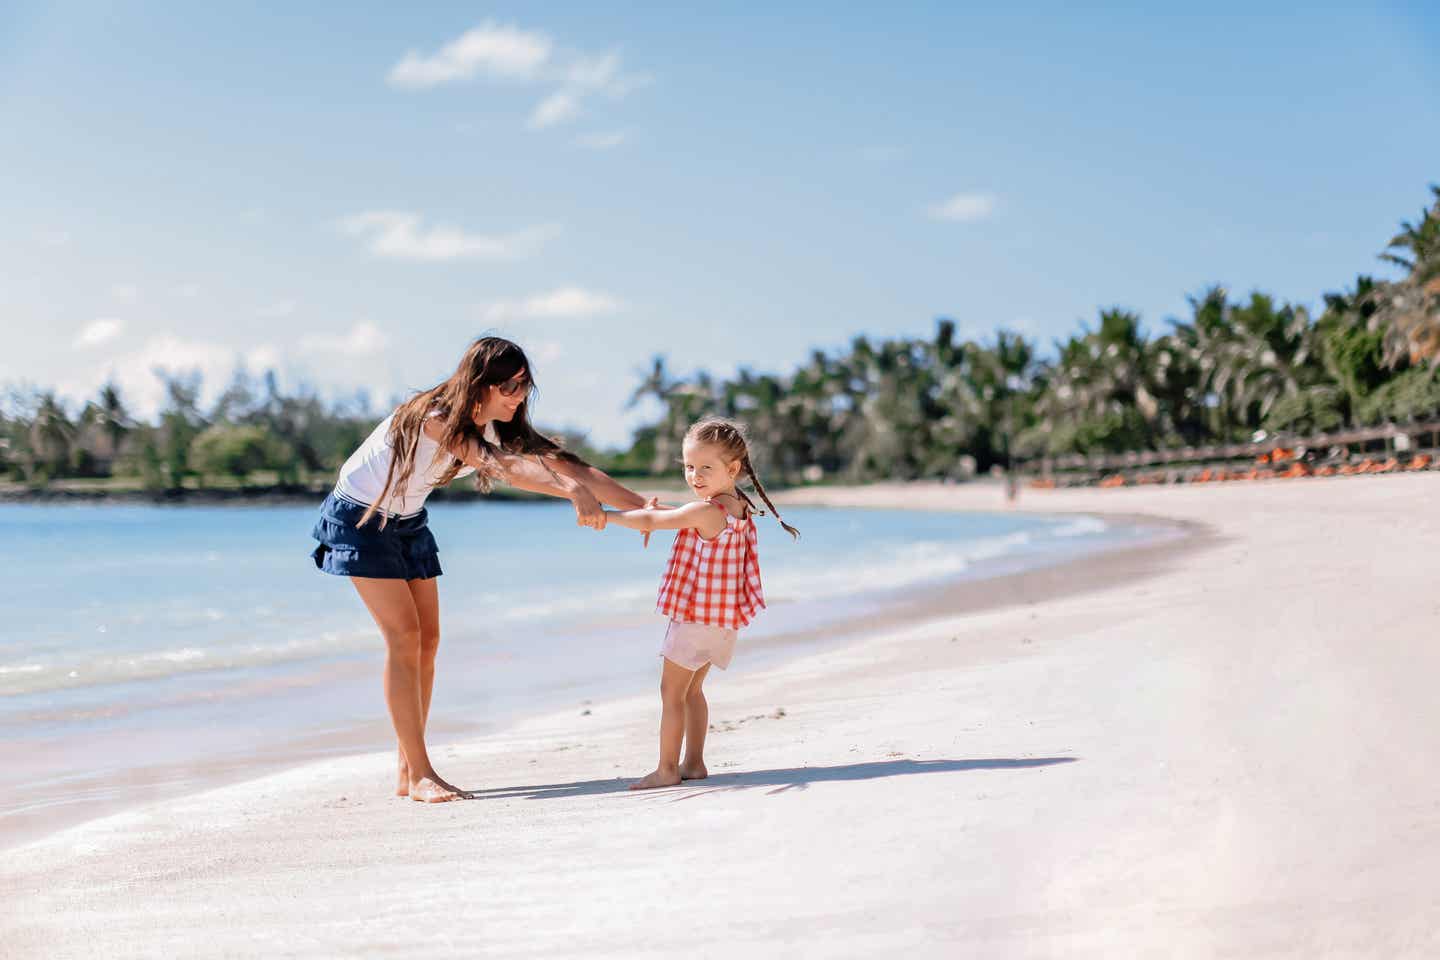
x,y
362,478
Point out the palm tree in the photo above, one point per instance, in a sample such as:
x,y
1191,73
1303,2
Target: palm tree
x,y
1254,364
1277,358
817,409
113,416
180,423
655,382
106,416
238,402
895,409
1099,395
1352,352
52,436
1416,248
1408,310
996,387
1203,347
683,402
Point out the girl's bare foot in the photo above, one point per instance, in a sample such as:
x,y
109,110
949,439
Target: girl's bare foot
x,y
693,771
657,778
433,790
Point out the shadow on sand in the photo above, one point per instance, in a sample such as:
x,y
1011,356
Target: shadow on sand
x,y
791,778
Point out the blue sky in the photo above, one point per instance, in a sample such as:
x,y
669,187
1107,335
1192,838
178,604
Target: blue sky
x,y
349,194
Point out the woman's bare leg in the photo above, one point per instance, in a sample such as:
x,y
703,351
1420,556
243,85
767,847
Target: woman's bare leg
x,y
426,594
697,724
674,682
392,605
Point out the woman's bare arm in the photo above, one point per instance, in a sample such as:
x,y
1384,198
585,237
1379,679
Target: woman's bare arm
x,y
601,484
533,474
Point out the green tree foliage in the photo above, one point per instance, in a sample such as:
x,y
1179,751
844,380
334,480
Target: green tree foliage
x,y
912,407
237,451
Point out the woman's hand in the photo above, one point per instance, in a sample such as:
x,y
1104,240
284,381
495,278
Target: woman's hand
x,y
588,512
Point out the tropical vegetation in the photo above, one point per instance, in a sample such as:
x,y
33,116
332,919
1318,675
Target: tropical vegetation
x,y
935,406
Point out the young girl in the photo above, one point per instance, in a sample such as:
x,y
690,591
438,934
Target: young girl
x,y
711,587
373,527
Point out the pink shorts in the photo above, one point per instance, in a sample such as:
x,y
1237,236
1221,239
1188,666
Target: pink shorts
x,y
692,645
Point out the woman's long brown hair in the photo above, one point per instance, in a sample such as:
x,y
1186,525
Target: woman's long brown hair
x,y
490,361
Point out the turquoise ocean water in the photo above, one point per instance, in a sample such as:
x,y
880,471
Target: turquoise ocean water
x,y
145,649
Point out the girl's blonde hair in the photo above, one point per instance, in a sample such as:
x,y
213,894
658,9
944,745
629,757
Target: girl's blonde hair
x,y
729,436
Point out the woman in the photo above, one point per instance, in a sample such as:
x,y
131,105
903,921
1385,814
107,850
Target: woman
x,y
373,526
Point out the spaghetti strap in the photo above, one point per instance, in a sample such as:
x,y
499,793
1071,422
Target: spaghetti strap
x,y
722,508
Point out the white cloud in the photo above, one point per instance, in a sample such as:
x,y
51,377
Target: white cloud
x,y
501,52
362,340
601,141
565,303
964,208
134,371
584,77
99,331
402,236
125,292
187,290
603,74
554,109
277,310
594,73
509,53
560,107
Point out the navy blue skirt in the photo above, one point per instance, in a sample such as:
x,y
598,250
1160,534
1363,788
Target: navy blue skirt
x,y
404,550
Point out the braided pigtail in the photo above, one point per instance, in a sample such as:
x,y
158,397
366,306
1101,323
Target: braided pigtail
x,y
729,436
760,489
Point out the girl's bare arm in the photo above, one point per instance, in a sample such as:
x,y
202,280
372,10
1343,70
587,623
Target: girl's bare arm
x,y
697,515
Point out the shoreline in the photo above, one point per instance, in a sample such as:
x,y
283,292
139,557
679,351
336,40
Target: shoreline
x,y
902,607
71,491
292,495
1211,752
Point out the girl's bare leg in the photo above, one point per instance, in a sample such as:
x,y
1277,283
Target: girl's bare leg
x,y
393,607
674,683
426,594
697,724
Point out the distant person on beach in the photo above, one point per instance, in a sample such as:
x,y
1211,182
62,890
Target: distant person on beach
x,y
373,528
710,590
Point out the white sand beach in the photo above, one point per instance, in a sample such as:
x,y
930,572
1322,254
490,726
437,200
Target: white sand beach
x,y
1218,747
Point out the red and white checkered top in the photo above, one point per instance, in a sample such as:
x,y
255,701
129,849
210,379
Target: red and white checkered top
x,y
714,581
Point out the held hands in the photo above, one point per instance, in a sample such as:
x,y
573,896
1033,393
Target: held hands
x,y
588,512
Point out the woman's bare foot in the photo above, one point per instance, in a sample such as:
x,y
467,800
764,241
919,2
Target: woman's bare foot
x,y
657,778
433,790
402,777
693,771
